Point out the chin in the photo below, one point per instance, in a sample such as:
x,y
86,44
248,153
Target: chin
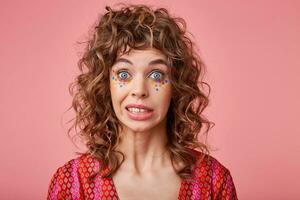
x,y
140,126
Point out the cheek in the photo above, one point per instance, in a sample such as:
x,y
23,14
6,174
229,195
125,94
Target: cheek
x,y
116,83
160,87
118,89
162,91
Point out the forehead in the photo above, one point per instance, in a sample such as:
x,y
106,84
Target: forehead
x,y
142,57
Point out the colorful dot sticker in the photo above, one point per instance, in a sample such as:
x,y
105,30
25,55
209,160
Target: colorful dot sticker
x,y
156,85
121,84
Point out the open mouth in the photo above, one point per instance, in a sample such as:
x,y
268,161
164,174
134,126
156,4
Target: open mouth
x,y
138,110
139,114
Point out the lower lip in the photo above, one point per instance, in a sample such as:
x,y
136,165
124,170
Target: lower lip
x,y
139,116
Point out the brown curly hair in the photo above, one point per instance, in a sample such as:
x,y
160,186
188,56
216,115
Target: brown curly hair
x,y
139,27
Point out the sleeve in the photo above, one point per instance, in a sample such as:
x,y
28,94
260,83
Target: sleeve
x,y
61,186
55,191
227,190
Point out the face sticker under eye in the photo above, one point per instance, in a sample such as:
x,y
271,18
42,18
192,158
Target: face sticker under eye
x,y
116,81
158,85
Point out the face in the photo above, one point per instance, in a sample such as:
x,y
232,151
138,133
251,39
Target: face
x,y
140,89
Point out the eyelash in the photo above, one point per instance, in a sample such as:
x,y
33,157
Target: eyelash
x,y
155,71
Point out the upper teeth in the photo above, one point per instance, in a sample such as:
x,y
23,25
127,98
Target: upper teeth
x,y
137,110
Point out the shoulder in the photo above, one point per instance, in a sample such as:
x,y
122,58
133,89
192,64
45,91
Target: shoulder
x,y
214,176
208,163
83,164
66,181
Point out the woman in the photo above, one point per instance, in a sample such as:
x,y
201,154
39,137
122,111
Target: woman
x,y
139,108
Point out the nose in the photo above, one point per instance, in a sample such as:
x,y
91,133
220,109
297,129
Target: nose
x,y
139,88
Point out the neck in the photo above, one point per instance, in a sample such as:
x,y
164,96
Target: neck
x,y
144,151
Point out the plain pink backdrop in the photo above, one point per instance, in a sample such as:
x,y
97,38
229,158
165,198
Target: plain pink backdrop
x,y
251,49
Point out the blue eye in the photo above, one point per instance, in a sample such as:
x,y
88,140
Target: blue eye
x,y
123,75
157,76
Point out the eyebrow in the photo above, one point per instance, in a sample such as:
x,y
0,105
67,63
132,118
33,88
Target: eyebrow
x,y
153,62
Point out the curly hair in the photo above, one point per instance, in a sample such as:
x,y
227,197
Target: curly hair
x,y
139,27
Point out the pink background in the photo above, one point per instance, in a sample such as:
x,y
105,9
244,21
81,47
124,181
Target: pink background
x,y
251,49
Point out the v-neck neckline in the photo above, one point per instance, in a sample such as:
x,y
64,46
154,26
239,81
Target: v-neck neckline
x,y
182,185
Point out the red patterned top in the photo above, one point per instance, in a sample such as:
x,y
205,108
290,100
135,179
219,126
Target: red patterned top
x,y
211,180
